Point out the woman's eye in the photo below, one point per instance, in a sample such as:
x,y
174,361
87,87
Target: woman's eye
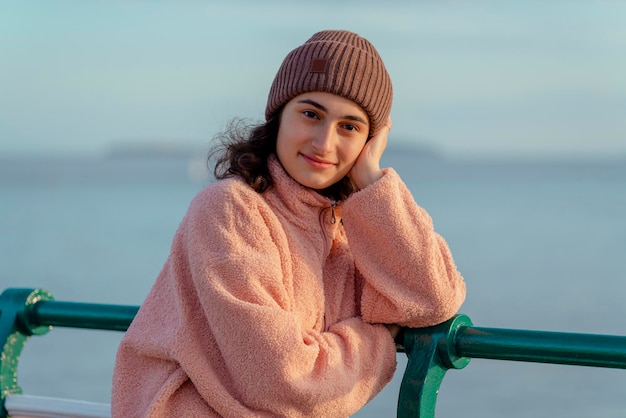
x,y
350,127
309,114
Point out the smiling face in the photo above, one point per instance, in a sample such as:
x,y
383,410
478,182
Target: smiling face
x,y
320,137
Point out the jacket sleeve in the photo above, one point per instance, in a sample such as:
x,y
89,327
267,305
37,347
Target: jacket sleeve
x,y
239,262
409,275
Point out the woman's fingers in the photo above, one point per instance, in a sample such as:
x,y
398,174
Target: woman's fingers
x,y
366,169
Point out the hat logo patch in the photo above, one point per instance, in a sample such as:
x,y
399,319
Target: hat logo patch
x,y
319,65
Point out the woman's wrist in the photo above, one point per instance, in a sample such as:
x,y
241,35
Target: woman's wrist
x,y
369,178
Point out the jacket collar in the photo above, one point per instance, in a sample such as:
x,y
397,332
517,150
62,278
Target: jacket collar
x,y
301,204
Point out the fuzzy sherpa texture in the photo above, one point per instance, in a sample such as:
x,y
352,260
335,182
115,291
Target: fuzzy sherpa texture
x,y
265,308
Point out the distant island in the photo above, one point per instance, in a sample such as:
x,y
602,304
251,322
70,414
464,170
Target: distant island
x,y
179,150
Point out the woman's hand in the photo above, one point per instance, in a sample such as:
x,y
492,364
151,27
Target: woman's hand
x,y
366,169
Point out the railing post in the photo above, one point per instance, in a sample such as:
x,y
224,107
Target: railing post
x,y
431,351
16,325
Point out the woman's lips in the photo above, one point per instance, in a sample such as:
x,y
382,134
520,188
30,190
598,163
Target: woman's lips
x,y
317,162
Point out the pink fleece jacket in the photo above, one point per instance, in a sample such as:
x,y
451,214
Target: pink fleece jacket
x,y
266,308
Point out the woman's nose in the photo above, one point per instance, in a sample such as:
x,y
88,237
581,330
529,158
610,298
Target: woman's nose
x,y
324,139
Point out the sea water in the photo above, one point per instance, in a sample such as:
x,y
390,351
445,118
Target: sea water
x,y
540,244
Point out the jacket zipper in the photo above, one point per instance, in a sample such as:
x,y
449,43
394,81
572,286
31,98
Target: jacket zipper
x,y
332,212
332,221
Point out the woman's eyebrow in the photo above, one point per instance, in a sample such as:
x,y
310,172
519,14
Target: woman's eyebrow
x,y
356,118
314,104
323,108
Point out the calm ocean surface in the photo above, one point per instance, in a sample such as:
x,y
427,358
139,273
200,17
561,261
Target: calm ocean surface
x,y
541,246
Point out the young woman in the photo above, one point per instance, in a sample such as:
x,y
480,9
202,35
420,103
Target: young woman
x,y
290,276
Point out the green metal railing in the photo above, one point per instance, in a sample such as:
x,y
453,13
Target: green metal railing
x,y
26,312
431,351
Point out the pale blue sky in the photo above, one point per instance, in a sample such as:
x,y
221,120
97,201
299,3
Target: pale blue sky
x,y
472,78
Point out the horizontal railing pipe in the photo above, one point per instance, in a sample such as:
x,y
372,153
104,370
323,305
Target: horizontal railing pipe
x,y
542,347
84,315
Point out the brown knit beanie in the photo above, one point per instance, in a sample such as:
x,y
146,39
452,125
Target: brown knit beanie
x,y
339,62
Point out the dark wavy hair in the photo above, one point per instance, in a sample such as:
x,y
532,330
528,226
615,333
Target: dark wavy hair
x,y
243,150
